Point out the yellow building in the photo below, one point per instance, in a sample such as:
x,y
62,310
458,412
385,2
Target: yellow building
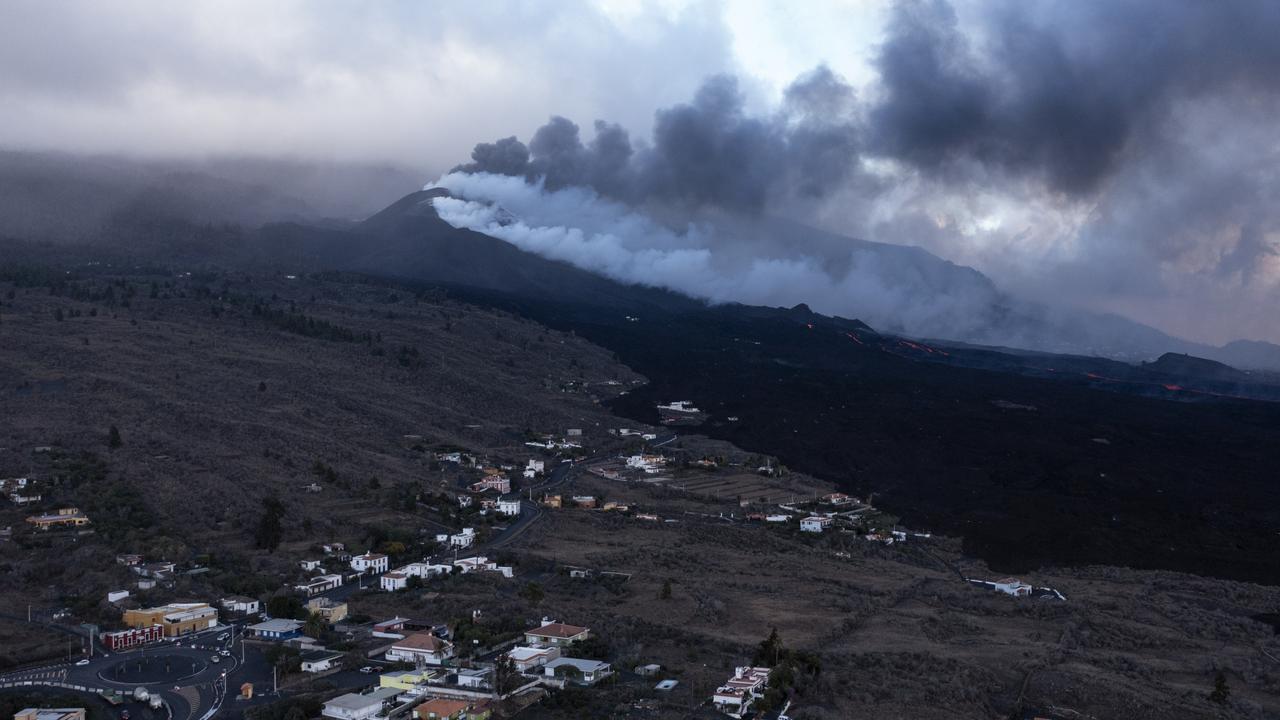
x,y
175,618
329,610
65,517
407,679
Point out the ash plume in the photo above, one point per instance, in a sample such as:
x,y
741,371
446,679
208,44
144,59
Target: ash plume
x,y
1113,155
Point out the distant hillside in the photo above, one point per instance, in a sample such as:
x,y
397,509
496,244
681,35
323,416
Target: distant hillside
x,y
75,198
226,389
1177,364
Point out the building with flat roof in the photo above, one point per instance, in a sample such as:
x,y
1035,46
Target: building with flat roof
x,y
276,629
64,517
49,714
353,706
176,618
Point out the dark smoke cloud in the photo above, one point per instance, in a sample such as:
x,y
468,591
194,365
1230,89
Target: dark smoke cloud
x,y
1115,154
707,152
1066,90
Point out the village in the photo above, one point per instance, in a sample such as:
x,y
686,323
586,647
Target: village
x,y
318,630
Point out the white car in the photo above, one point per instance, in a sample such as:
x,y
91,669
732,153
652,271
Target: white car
x,y
224,653
215,659
367,669
83,662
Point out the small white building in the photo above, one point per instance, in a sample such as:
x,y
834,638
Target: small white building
x,y
463,539
735,697
310,564
534,468
117,595
528,658
370,562
480,563
509,506
353,706
1012,586
314,661
319,584
582,672
240,604
475,678
815,524
398,579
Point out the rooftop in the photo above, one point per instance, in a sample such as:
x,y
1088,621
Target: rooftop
x,y
557,630
421,641
276,625
353,701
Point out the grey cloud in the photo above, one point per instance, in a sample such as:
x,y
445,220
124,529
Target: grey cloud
x,y
1063,90
709,152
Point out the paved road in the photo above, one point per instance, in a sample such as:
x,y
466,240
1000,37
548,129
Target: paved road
x,y
183,673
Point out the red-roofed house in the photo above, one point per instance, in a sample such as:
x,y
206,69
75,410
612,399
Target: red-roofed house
x,y
556,634
421,649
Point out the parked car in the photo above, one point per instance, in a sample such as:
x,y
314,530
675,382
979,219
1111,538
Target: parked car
x,y
83,662
368,669
215,659
223,636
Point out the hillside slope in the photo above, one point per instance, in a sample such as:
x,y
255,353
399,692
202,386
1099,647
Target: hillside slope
x,y
228,389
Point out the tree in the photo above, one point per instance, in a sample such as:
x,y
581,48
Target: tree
x,y
665,594
286,606
532,592
315,626
262,387
1221,691
57,314
270,532
769,651
505,677
113,438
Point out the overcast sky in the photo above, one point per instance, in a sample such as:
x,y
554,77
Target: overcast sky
x,y
1116,154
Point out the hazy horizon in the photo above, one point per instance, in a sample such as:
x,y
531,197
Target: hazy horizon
x,y
1062,149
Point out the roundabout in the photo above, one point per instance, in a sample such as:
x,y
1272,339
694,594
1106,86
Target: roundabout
x,y
171,668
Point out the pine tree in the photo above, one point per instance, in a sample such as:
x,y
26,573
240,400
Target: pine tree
x,y
270,532
113,438
666,590
1221,691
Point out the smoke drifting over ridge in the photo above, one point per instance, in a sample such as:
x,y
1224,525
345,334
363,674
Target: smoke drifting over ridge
x,y
708,152
1071,150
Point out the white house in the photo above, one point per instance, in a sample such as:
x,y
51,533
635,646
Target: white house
x,y
1012,586
240,604
534,468
398,579
319,584
421,649
509,506
815,524
310,564
463,539
736,695
354,706
583,672
475,678
648,463
481,563
314,661
528,658
370,562
464,501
